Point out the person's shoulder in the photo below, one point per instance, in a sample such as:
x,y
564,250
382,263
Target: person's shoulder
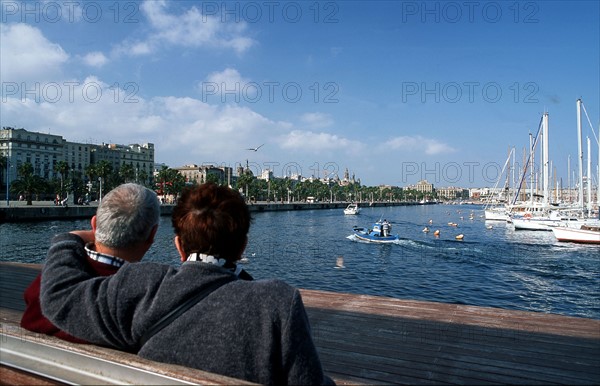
x,y
145,272
145,267
267,289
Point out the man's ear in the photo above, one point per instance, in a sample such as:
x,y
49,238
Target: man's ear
x,y
179,247
93,224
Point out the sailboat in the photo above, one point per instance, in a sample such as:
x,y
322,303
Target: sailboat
x,y
535,215
545,215
493,211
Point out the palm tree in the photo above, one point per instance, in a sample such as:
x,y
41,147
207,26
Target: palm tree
x,y
127,173
169,181
143,177
244,181
103,170
91,172
3,164
28,183
62,167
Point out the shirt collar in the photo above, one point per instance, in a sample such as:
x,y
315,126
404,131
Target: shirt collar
x,y
103,257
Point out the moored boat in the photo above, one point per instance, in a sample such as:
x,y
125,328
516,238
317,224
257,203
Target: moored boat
x,y
352,209
588,234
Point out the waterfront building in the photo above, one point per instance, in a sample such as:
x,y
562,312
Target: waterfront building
x,y
452,193
266,175
44,150
422,186
199,174
78,156
139,157
41,150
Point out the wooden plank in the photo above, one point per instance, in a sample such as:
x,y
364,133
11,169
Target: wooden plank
x,y
436,342
366,339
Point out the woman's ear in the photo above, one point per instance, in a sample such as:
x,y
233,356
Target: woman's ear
x,y
243,249
179,247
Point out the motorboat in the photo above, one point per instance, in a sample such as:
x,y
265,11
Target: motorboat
x,y
352,209
381,233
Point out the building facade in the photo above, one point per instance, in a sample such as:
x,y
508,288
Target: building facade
x,y
422,186
139,157
43,151
20,146
195,174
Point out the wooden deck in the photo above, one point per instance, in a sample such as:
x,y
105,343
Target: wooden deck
x,y
377,340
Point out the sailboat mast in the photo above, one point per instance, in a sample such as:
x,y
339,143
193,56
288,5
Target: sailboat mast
x,y
569,176
580,154
531,172
589,177
545,161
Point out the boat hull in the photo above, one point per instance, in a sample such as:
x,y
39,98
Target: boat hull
x,y
376,239
371,236
576,235
496,215
533,224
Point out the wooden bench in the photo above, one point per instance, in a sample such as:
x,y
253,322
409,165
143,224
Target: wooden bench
x,y
377,340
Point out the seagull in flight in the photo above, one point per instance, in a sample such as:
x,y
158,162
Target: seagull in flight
x,y
256,148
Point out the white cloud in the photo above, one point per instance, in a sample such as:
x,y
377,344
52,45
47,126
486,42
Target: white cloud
x,y
26,55
229,77
317,120
418,144
312,142
185,130
188,29
95,59
229,85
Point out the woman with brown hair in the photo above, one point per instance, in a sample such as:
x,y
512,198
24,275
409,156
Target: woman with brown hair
x,y
200,315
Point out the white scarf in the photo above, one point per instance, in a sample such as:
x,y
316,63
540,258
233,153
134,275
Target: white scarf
x,y
209,259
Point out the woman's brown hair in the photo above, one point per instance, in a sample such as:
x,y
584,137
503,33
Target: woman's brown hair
x,y
213,220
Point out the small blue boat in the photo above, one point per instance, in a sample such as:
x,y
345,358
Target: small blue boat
x,y
381,233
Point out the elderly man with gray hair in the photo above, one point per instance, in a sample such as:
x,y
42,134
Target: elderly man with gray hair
x,y
123,230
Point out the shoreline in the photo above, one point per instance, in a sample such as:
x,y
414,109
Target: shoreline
x,y
19,211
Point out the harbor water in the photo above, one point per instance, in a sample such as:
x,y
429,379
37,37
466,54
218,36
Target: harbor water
x,y
493,265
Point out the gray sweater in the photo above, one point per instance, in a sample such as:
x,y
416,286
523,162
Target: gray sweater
x,y
252,330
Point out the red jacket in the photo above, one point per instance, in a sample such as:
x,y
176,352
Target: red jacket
x,y
34,320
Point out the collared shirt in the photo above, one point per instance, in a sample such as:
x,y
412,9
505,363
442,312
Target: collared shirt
x,y
102,257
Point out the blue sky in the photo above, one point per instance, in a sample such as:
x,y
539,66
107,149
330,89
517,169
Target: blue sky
x,y
394,91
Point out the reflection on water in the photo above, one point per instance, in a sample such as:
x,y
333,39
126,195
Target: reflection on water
x,y
492,266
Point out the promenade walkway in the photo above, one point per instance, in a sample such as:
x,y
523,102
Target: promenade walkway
x,y
39,204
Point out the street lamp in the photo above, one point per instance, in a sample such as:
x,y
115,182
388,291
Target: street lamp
x,y
7,182
100,196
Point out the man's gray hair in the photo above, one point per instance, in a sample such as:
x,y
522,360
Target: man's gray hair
x,y
126,215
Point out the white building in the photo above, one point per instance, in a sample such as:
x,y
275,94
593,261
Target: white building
x,y
43,151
